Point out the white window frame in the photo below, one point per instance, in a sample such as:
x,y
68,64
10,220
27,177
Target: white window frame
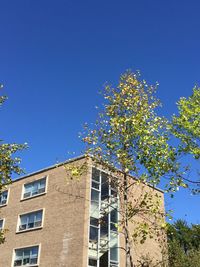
x,y
8,190
3,224
30,229
33,181
30,246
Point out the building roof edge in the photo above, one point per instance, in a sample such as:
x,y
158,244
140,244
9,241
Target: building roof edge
x,y
65,162
49,168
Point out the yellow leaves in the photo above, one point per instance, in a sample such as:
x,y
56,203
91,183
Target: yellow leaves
x,y
164,225
87,139
75,172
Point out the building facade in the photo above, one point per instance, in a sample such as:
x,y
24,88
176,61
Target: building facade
x,y
56,220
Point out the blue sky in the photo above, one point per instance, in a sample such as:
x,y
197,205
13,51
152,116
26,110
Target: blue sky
x,y
55,56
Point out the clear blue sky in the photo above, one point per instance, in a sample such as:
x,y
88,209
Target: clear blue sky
x,y
56,55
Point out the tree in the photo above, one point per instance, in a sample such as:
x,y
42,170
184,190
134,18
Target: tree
x,y
186,128
186,125
181,232
183,244
129,135
9,163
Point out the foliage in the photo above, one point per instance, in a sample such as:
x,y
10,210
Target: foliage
x,y
186,128
186,125
131,136
184,244
9,163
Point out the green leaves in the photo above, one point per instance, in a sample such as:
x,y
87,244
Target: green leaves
x,y
186,125
129,134
9,162
184,244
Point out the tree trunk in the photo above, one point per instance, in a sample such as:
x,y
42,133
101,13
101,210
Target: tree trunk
x,y
129,260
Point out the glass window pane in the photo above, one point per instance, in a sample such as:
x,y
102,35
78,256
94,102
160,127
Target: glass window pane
x,y
93,233
104,226
27,188
23,219
104,177
94,221
92,263
26,256
38,216
42,183
5,194
95,174
19,253
34,188
3,197
94,209
34,251
114,254
94,195
18,263
113,216
31,217
27,252
33,260
104,186
1,224
95,185
26,261
28,221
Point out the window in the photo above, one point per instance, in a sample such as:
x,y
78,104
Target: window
x,y
104,226
26,256
92,263
3,198
35,188
104,186
1,224
95,193
104,218
94,229
30,220
113,219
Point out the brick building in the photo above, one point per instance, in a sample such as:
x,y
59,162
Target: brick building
x,y
53,220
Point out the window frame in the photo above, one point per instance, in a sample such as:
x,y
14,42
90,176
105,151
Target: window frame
x,y
30,246
30,229
112,196
7,190
33,181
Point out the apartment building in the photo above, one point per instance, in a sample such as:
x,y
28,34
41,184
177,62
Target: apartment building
x,y
56,220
